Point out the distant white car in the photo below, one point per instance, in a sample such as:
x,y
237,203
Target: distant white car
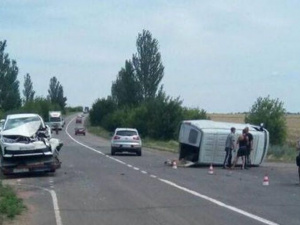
x,y
126,140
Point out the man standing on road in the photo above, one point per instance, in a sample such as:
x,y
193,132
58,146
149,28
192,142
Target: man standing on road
x,y
229,146
298,159
249,148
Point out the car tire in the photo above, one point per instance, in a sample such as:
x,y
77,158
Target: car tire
x,y
139,152
5,174
113,151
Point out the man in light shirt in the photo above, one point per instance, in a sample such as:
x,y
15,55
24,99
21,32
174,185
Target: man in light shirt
x,y
229,146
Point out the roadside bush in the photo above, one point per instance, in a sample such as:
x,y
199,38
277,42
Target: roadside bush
x,y
271,113
100,109
194,114
137,119
118,118
164,116
157,118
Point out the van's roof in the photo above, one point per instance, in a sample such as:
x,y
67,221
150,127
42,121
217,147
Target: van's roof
x,y
210,124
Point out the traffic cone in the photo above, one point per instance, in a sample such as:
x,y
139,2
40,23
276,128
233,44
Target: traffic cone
x,y
266,180
174,165
211,169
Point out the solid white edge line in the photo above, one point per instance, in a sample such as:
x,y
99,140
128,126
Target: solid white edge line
x,y
56,207
117,160
232,208
88,147
54,201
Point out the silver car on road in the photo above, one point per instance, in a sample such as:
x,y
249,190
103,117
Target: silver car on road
x,y
126,140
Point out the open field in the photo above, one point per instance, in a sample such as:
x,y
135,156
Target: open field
x,y
292,121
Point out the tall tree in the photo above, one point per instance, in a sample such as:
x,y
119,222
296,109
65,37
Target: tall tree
x,y
53,89
125,90
61,99
56,93
28,91
9,85
147,64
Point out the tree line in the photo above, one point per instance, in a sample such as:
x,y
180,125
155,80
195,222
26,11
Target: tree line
x,y
10,97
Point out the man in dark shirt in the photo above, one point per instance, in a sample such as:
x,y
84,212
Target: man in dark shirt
x,y
249,148
298,159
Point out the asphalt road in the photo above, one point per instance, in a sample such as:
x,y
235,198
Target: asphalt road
x,y
92,187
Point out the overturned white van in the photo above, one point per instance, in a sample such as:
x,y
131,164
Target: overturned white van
x,y
203,141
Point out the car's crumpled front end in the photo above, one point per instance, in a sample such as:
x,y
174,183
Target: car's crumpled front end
x,y
28,147
29,139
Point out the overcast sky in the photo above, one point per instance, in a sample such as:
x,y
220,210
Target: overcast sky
x,y
219,56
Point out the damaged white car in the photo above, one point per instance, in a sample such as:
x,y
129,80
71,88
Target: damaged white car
x,y
27,146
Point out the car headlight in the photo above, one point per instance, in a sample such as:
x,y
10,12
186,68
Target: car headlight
x,y
7,140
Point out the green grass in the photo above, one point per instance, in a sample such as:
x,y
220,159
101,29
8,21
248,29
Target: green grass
x,y
170,146
10,204
99,131
283,153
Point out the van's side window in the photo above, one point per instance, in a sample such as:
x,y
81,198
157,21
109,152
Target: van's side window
x,y
193,136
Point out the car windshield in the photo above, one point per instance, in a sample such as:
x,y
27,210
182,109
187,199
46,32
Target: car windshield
x,y
13,123
126,133
54,119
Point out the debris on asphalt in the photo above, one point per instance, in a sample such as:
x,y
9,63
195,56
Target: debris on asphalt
x,y
179,163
